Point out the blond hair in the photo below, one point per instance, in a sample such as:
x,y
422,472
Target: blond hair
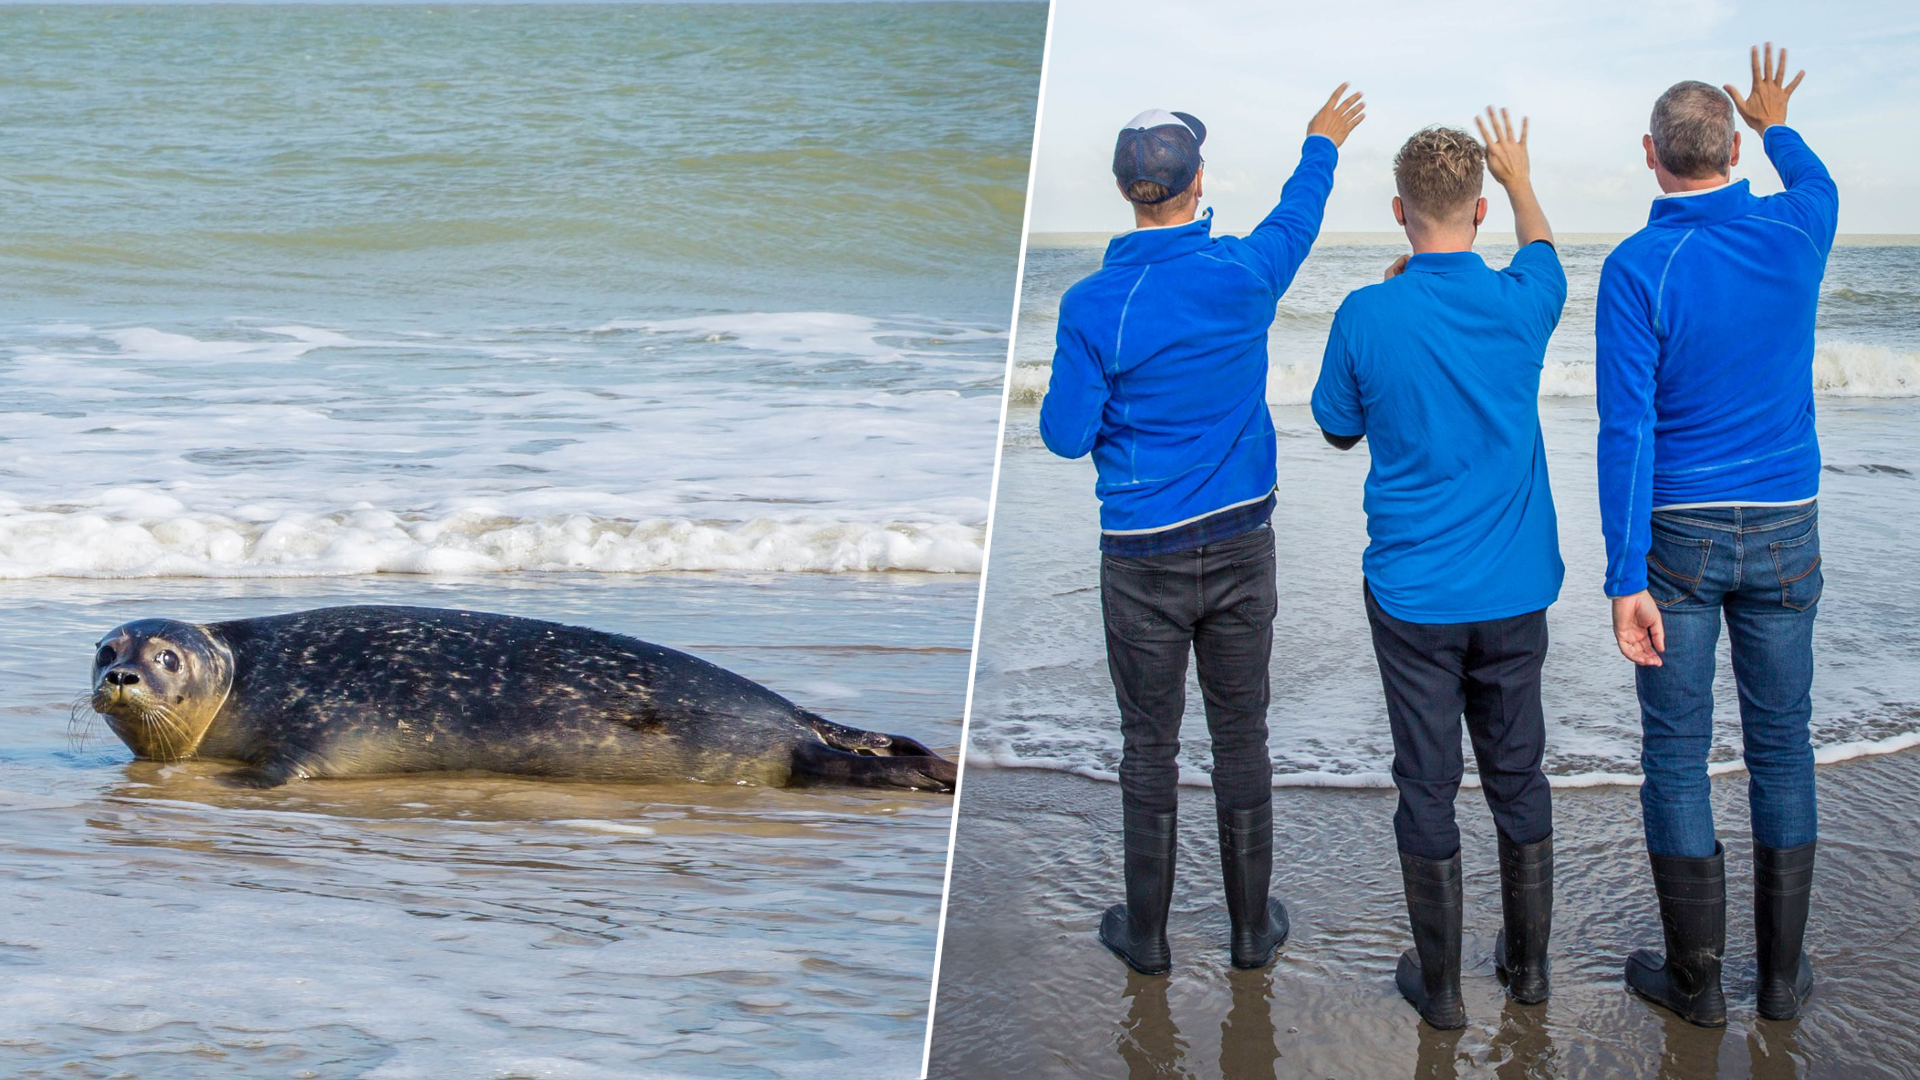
x,y
1438,173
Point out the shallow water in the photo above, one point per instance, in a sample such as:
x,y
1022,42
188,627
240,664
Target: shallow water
x,y
1043,698
162,924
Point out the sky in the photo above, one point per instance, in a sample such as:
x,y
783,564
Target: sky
x,y
1585,71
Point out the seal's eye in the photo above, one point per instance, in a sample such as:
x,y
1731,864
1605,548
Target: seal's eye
x,y
170,660
105,656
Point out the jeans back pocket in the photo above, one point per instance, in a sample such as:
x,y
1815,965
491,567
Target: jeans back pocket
x,y
1798,561
1675,565
1132,592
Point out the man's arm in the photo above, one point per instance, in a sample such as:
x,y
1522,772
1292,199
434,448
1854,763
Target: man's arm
x,y
1508,163
1336,394
1537,264
1281,242
1076,395
1809,187
1626,355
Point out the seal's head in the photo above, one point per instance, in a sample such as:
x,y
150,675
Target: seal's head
x,y
159,683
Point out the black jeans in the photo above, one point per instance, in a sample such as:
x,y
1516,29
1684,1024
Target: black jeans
x,y
1490,672
1217,600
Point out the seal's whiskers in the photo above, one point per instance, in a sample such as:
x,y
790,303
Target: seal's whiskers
x,y
83,724
174,734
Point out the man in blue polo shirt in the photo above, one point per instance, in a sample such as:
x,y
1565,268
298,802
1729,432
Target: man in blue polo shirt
x,y
1708,472
1160,371
1438,367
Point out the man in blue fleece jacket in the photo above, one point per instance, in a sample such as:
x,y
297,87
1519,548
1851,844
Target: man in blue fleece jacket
x,y
1709,470
1160,371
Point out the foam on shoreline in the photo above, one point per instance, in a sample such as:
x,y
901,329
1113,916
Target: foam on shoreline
x,y
94,543
1003,757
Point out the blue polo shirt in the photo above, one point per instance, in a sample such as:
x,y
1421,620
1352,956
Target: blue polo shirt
x,y
1440,369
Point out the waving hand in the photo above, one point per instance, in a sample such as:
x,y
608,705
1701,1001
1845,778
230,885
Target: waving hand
x,y
1766,105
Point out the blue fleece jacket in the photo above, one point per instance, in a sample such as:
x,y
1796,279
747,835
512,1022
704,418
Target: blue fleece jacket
x,y
1160,361
1704,336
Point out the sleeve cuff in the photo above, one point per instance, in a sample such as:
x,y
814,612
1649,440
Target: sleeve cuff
x,y
1622,589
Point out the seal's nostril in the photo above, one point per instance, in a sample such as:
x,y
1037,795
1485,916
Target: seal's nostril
x,y
122,677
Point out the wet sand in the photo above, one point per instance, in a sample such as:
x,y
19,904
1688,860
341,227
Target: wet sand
x,y
1026,990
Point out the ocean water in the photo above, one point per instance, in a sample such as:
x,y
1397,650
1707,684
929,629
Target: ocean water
x,y
1043,698
668,320
298,291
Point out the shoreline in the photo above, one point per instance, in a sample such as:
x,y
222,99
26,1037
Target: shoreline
x,y
1834,754
1037,857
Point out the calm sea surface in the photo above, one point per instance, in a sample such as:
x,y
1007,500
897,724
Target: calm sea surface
x,y
1043,698
687,322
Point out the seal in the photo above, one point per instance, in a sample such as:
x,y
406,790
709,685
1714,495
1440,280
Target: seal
x,y
375,690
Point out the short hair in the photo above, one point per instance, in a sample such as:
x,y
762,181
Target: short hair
x,y
1146,191
1438,172
1151,201
1692,129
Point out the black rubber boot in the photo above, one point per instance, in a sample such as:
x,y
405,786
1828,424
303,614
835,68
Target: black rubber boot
x,y
1429,973
1136,931
1246,863
1693,914
1526,908
1782,880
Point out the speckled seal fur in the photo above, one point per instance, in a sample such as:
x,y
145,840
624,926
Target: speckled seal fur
x,y
369,691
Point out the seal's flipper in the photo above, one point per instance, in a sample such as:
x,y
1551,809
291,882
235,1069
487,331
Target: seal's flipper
x,y
856,741
853,740
817,763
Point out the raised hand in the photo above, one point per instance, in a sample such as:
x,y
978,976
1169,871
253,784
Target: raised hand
x,y
1337,118
1509,165
1766,105
1396,268
1506,153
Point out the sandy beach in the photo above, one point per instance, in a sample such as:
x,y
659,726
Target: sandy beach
x,y
1026,990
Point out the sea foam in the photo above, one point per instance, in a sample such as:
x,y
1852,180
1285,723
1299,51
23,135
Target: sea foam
x,y
993,754
151,536
772,442
1840,369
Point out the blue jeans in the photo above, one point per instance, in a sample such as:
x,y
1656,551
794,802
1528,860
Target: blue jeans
x,y
1759,567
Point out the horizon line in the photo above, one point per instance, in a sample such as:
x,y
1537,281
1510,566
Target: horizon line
x,y
1071,238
